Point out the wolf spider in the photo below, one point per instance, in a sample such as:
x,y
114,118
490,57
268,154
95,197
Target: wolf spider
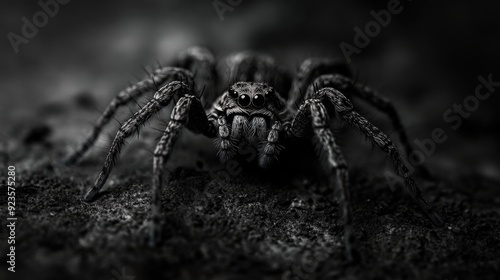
x,y
251,109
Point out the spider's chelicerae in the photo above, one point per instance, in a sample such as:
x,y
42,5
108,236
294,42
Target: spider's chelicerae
x,y
256,104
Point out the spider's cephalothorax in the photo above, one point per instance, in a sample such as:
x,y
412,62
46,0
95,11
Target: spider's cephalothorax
x,y
253,107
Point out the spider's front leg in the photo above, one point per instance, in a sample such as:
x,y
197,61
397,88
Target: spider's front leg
x,y
345,110
128,95
373,97
160,100
187,112
194,60
317,73
314,114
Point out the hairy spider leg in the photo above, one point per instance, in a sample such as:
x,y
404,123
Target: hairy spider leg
x,y
128,95
373,97
309,70
189,113
344,108
313,114
160,100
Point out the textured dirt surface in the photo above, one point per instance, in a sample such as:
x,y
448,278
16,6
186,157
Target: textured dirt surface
x,y
252,227
245,228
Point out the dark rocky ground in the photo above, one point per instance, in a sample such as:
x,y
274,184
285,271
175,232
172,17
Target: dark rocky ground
x,y
246,228
252,227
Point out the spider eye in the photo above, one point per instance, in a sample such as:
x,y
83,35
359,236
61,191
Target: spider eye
x,y
258,100
233,93
244,100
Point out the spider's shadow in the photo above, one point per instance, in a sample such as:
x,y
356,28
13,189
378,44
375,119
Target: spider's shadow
x,y
297,162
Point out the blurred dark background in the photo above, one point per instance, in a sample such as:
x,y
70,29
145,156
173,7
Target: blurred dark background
x,y
426,59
